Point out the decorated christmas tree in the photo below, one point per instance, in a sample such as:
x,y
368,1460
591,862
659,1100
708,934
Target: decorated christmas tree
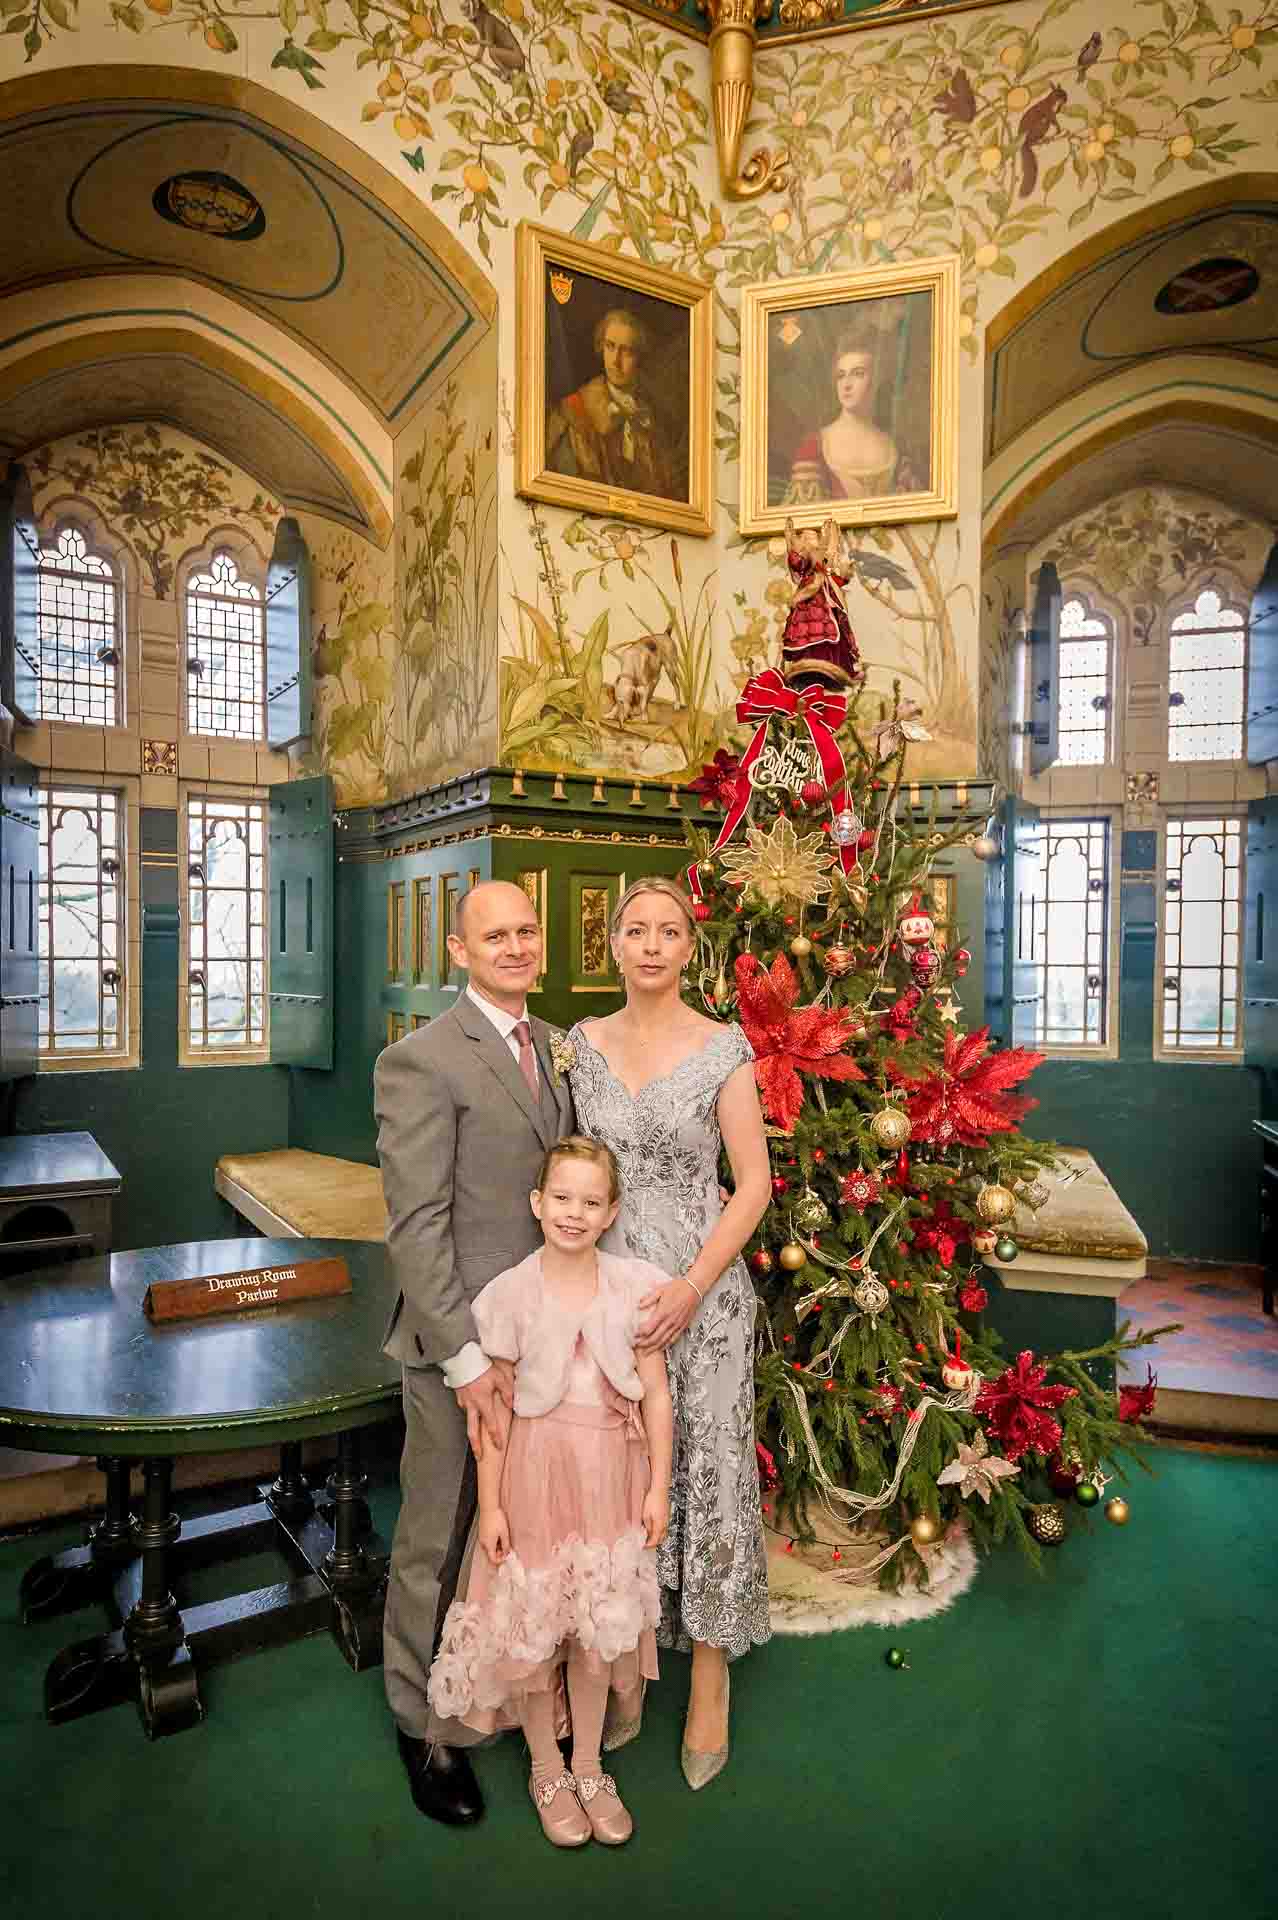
x,y
886,1407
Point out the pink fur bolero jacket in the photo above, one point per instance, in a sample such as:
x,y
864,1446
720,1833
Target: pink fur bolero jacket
x,y
518,1320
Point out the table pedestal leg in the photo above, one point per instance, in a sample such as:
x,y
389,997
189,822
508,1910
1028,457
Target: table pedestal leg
x,y
63,1582
168,1692
290,1493
356,1585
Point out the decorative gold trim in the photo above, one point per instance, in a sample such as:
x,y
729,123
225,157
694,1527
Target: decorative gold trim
x,y
34,93
136,343
535,249
939,276
732,40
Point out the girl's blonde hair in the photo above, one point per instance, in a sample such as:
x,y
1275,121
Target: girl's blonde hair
x,y
654,883
579,1146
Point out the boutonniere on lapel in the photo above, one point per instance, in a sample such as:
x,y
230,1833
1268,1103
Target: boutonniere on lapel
x,y
563,1055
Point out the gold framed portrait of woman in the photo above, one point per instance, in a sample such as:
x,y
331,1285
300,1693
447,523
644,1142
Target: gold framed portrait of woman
x,y
614,378
849,396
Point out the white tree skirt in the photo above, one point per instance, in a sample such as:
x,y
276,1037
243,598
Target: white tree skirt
x,y
808,1596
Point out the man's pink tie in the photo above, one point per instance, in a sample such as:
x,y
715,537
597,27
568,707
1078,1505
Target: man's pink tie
x,y
527,1058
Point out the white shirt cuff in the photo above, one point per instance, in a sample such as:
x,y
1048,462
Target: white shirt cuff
x,y
466,1366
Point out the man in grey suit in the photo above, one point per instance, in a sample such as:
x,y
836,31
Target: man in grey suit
x,y
466,1108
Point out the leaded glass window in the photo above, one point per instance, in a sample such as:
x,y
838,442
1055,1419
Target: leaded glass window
x,y
1066,931
1086,654
76,660
225,887
1202,911
225,653
1207,680
81,908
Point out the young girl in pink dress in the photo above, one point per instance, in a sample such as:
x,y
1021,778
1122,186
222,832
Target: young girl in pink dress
x,y
562,1572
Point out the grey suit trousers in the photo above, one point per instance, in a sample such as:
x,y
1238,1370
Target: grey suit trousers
x,y
430,1541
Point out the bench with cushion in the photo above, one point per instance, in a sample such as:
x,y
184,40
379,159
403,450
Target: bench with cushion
x,y
305,1196
1077,1254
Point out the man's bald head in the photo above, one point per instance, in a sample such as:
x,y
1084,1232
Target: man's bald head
x,y
497,938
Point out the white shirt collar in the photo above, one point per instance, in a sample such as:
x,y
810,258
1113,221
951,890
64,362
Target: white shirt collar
x,y
504,1022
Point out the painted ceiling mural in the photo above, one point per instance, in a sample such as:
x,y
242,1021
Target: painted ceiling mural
x,y
1001,133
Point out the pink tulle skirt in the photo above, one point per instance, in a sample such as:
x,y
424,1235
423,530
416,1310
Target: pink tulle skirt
x,y
578,1576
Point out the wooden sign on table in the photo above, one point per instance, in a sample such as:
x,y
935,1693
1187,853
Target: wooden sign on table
x,y
245,1290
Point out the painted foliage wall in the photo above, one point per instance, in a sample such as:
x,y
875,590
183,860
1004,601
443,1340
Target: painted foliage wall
x,y
1002,134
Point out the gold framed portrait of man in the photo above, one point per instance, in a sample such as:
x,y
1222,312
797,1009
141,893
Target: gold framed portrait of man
x,y
614,410
849,396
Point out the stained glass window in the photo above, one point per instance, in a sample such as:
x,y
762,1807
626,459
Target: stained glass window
x,y
1207,680
225,888
81,907
76,667
1201,918
225,653
1085,696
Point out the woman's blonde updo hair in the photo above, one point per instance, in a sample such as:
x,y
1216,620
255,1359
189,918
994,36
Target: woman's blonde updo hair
x,y
655,883
580,1146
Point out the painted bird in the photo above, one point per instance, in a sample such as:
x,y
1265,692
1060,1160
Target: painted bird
x,y
300,61
495,39
1038,123
957,101
582,141
1088,54
903,179
618,96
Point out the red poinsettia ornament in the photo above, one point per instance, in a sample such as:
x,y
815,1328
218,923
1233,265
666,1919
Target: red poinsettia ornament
x,y
1135,1402
1013,1406
943,1234
717,782
787,1041
965,1102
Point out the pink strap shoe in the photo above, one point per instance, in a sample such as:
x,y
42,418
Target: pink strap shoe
x,y
559,1810
605,1809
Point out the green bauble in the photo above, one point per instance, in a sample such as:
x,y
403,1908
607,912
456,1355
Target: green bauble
x,y
1006,1248
895,1658
1087,1493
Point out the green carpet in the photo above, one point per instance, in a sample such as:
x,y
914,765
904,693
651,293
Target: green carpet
x,y
1096,1742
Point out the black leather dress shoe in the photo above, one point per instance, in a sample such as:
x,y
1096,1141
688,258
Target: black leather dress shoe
x,y
443,1781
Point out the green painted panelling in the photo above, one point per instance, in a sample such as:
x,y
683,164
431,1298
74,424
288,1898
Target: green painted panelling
x,y
162,1125
1175,1142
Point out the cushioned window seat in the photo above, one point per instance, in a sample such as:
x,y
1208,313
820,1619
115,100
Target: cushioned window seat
x,y
304,1196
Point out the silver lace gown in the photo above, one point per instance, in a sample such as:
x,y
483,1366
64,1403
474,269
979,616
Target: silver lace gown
x,y
712,1566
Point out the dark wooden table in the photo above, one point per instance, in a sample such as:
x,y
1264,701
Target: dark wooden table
x,y
83,1371
56,1191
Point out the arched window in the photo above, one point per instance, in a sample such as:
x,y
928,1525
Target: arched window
x,y
1207,673
74,655
1086,670
225,653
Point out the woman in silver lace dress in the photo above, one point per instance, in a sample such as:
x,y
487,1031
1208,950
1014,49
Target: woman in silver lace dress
x,y
665,1088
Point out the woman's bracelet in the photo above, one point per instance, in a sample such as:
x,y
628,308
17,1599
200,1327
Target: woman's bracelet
x,y
695,1288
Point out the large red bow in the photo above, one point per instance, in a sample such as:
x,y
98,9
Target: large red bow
x,y
821,709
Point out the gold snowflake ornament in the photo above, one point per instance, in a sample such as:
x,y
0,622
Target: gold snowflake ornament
x,y
779,865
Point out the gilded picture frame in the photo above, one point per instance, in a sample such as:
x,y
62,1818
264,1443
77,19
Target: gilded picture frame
x,y
849,396
591,432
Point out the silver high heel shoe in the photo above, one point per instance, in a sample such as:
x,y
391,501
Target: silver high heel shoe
x,y
617,1731
699,1769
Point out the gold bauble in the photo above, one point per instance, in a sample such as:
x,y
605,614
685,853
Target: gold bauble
x,y
891,1128
705,868
1117,1511
792,1257
924,1530
1047,1524
837,961
800,946
995,1203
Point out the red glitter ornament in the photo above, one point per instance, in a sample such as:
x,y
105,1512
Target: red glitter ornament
x,y
1135,1402
787,1041
973,1298
860,1189
964,1102
812,793
701,910
1014,1407
886,1401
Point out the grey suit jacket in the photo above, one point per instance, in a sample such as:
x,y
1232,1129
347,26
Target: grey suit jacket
x,y
461,1141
